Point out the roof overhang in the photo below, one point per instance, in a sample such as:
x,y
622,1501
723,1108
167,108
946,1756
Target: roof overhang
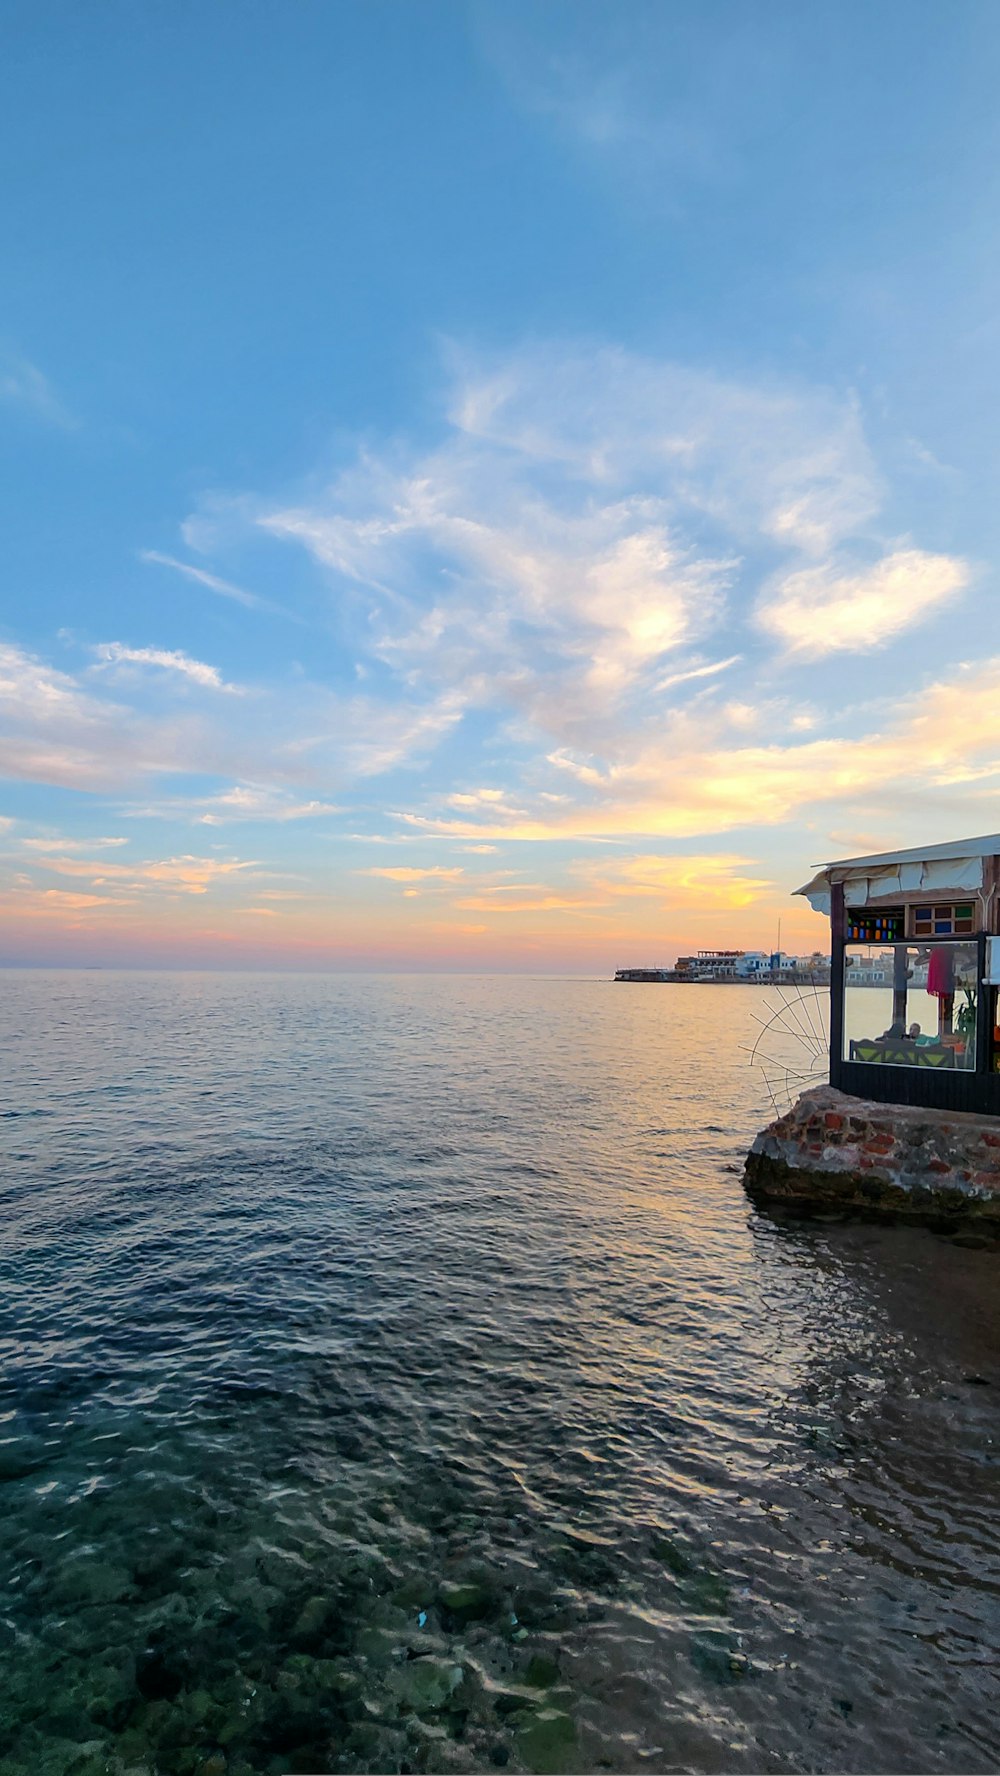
x,y
957,867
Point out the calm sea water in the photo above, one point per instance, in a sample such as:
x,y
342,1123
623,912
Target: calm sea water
x,y
396,1378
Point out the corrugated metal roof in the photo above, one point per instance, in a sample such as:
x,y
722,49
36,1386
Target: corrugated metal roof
x,y
955,866
987,846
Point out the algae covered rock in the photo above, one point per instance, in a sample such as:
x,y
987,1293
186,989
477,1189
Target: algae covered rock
x,y
546,1743
84,1582
707,1593
311,1618
542,1672
671,1555
425,1685
467,1600
718,1660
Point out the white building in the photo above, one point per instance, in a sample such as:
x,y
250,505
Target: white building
x,y
751,963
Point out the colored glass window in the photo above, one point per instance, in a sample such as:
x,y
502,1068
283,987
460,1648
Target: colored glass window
x,y
882,927
945,921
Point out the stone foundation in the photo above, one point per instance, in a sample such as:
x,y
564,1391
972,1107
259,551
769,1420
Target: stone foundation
x,y
831,1151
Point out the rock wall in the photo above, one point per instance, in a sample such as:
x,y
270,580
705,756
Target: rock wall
x,y
889,1160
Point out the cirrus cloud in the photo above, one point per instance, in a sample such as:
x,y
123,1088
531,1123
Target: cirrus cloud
x,y
116,653
823,610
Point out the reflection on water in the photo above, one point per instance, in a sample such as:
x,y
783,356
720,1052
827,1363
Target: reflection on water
x,y
395,1378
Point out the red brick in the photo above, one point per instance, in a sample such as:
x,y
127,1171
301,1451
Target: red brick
x,y
880,1144
938,1165
833,1121
991,1140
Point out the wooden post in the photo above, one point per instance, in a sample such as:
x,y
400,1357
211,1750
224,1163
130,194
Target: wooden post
x,y
900,976
838,926
984,1011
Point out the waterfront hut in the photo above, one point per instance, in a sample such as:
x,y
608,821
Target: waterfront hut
x,y
915,973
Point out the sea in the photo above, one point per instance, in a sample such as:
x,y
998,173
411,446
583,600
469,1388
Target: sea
x,y
395,1378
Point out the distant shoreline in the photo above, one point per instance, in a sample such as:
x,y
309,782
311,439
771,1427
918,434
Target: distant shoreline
x,y
646,977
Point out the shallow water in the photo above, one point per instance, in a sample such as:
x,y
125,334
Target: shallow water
x,y
394,1377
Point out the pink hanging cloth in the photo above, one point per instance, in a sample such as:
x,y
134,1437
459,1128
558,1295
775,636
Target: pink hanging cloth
x,y
941,972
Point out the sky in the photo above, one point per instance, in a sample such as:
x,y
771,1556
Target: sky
x,y
489,486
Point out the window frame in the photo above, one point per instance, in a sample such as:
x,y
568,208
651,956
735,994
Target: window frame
x,y
906,1059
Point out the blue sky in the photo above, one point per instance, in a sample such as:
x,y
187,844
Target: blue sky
x,y
488,486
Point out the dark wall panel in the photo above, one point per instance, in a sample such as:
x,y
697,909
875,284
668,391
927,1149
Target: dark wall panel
x,y
951,1090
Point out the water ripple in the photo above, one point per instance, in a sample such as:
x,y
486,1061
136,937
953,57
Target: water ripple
x,y
394,1378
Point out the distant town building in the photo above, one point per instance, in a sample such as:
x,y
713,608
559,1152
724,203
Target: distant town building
x,y
753,962
735,965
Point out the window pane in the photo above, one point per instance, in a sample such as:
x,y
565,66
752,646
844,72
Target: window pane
x,y
911,1005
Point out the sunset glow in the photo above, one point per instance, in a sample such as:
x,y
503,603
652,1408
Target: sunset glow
x,y
545,590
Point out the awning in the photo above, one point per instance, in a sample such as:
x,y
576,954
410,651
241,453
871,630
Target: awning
x,y
955,868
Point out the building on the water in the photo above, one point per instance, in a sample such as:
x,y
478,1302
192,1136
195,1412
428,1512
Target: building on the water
x,y
923,928
907,1127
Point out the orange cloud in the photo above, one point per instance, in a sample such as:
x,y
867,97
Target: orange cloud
x,y
403,874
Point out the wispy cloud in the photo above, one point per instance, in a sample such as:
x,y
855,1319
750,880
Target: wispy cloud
x,y
694,777
22,385
707,879
594,543
224,588
116,653
437,873
177,875
57,842
627,103
565,613
56,903
259,801
823,610
588,521
712,670
277,752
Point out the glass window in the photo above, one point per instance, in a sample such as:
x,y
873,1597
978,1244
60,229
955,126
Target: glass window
x,y
944,921
886,926
911,1005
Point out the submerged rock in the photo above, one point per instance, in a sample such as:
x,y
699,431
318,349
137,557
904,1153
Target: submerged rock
x,y
425,1685
85,1582
671,1555
546,1743
707,1593
311,1618
542,1672
466,1600
719,1660
21,1456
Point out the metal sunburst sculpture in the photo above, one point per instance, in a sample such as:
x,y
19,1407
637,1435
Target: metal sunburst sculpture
x,y
792,1049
